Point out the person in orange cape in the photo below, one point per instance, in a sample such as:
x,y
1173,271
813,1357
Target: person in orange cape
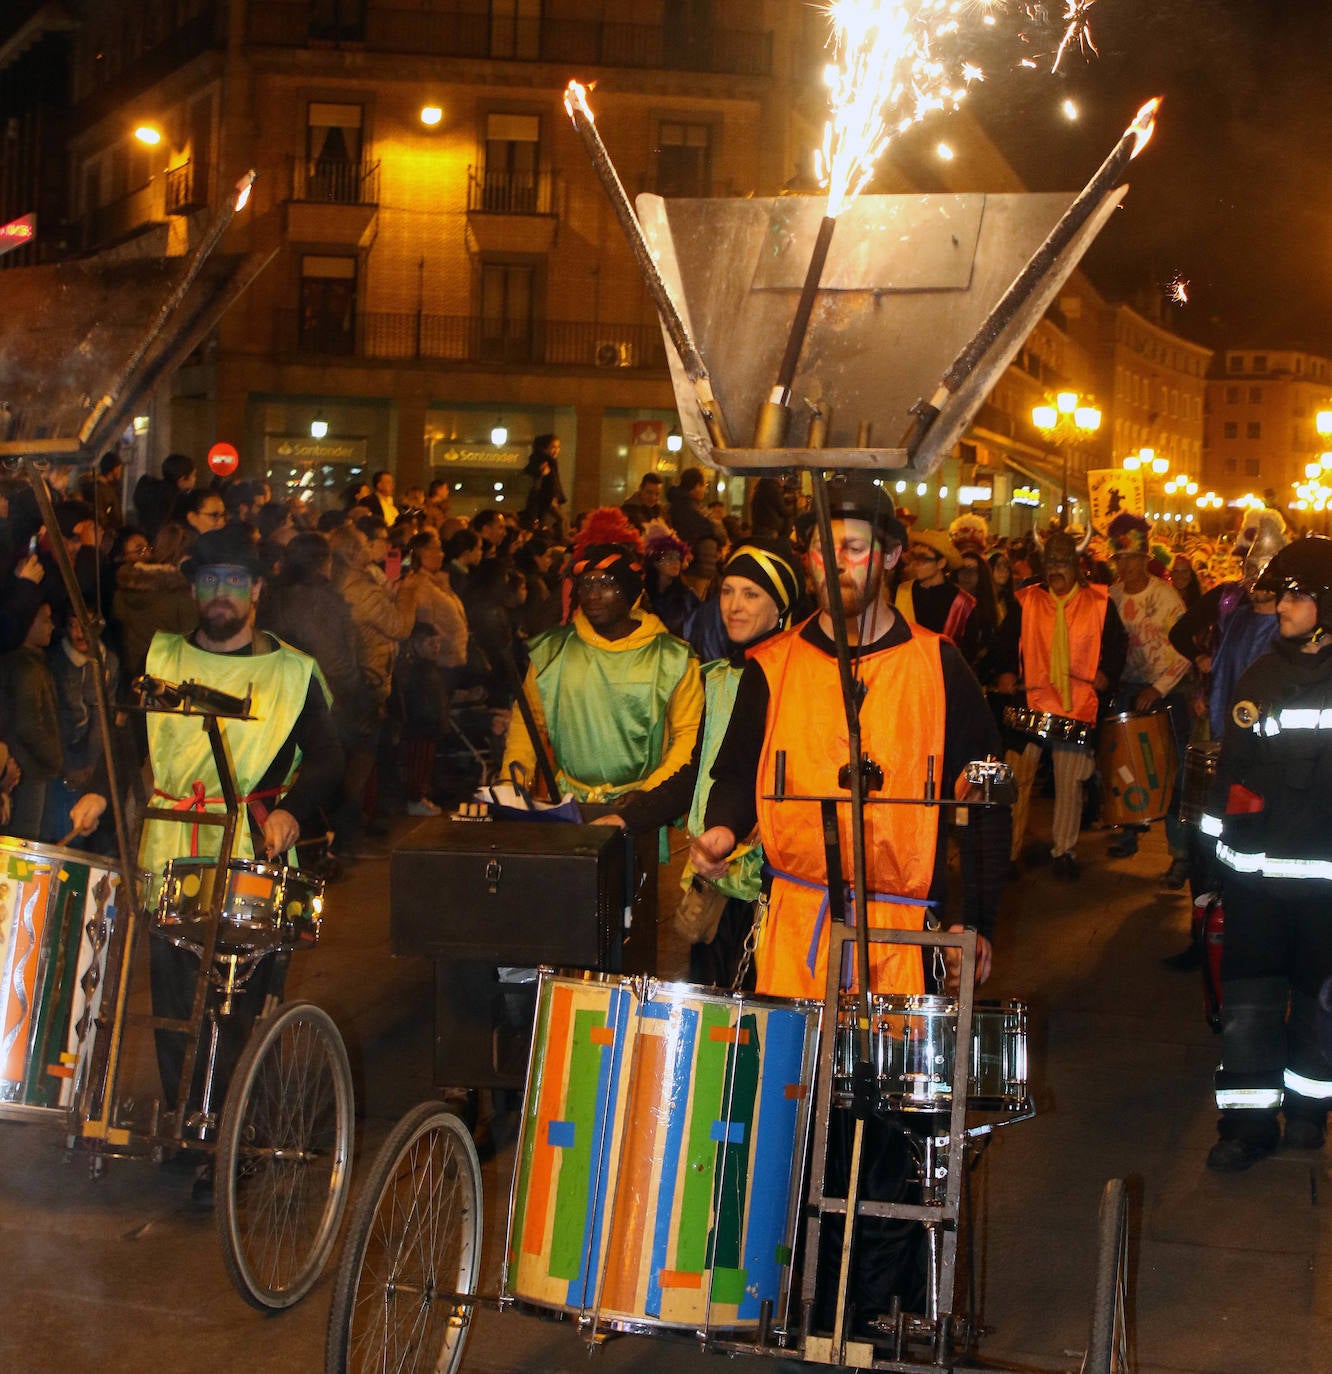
x,y
921,703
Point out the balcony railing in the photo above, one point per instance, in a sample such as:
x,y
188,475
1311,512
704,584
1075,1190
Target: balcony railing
x,y
185,189
511,193
395,336
402,29
333,181
121,219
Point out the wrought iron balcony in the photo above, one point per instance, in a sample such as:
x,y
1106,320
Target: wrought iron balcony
x,y
334,181
511,193
186,190
397,336
383,26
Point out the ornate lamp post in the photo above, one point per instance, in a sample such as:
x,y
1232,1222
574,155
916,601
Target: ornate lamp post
x,y
1069,421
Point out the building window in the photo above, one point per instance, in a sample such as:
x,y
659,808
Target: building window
x,y
328,304
1251,467
333,153
1231,466
515,28
1255,395
1254,429
1230,429
684,159
511,165
1232,395
507,293
1235,362
1260,362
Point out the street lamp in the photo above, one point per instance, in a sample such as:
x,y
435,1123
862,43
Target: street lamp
x,y
1070,420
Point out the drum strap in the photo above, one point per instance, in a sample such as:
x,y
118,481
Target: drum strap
x,y
199,801
811,958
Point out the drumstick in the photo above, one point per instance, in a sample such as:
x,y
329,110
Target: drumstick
x,y
73,835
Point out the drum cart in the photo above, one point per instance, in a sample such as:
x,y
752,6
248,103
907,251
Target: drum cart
x,y
281,1142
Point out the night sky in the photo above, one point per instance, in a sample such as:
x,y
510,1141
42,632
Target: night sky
x,y
1233,193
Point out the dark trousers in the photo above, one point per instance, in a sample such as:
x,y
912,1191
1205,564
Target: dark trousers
x,y
1277,953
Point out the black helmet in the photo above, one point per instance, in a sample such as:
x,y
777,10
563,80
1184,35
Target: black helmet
x,y
1304,566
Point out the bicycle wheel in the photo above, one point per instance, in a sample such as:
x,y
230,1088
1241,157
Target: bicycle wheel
x,y
284,1156
1108,1345
413,1247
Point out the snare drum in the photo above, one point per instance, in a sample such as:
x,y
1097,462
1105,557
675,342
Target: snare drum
x,y
1050,729
1199,769
913,1047
661,1158
266,906
1136,760
56,909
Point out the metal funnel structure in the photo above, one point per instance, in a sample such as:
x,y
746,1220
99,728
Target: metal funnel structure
x,y
911,284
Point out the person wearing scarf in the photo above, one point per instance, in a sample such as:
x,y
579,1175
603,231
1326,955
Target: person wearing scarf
x,y
761,582
1069,645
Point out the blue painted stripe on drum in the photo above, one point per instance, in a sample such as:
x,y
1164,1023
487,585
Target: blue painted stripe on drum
x,y
682,1070
560,1134
728,1132
581,1289
775,1152
656,1011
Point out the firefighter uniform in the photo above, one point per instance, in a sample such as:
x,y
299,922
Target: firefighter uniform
x,y
1268,816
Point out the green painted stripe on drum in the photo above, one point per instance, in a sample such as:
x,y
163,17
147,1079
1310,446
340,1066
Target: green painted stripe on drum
x,y
784,1251
728,1286
566,1250
531,1105
63,934
732,1184
691,1242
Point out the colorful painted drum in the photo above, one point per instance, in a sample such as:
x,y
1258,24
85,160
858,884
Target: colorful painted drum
x,y
267,906
56,910
1136,761
913,1047
661,1160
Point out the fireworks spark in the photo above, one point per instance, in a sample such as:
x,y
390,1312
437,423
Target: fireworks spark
x,y
895,61
1077,30
1177,290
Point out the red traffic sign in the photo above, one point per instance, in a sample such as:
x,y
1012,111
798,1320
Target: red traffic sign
x,y
223,458
18,232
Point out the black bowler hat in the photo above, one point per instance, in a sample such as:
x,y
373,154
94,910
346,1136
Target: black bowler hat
x,y
854,496
231,546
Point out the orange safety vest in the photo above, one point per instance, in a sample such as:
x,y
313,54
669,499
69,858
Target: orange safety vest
x,y
902,727
1086,620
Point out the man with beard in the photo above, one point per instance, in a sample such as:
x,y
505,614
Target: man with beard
x,y
919,704
617,695
286,759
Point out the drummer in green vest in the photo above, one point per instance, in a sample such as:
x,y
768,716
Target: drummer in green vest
x,y
617,696
761,583
287,760
287,763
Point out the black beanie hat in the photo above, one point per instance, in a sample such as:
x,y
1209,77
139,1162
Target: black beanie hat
x,y
770,564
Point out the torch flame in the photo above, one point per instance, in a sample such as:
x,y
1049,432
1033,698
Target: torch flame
x,y
243,191
1144,124
886,77
575,98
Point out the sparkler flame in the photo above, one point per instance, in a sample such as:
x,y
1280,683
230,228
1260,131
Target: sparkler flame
x,y
1078,30
1144,125
243,187
886,77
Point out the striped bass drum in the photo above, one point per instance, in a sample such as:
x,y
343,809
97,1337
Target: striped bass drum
x,y
662,1152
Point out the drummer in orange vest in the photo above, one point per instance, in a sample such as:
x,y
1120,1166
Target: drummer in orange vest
x,y
1071,645
921,706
